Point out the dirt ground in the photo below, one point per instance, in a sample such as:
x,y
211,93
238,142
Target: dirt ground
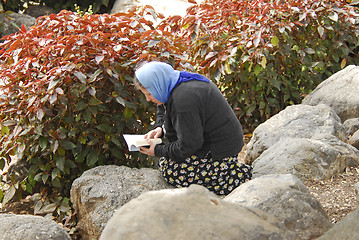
x,y
336,195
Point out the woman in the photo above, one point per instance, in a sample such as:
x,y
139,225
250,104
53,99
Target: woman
x,y
204,135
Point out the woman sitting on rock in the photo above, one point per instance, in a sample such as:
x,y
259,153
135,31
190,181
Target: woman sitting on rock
x,y
204,135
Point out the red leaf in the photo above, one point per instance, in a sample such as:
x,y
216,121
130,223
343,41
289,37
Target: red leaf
x,y
23,29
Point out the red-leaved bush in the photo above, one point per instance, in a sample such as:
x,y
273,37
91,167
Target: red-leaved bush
x,y
267,54
67,95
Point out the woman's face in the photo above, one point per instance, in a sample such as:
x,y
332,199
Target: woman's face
x,y
149,96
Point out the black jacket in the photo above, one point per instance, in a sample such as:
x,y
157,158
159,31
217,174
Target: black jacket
x,y
197,119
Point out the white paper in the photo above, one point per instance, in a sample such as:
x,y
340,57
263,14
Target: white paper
x,y
135,141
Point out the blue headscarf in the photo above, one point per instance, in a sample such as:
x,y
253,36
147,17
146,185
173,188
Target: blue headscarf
x,y
160,79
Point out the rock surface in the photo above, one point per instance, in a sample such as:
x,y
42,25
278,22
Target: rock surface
x,y
297,121
319,157
99,191
286,198
351,125
346,229
27,227
12,22
191,213
340,91
354,140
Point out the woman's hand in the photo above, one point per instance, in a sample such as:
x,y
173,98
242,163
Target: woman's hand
x,y
155,133
149,150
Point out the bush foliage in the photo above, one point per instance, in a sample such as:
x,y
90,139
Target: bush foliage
x,y
266,55
67,94
98,6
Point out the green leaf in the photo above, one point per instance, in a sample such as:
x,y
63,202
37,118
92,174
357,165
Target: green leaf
x,y
92,158
82,140
81,157
67,145
321,31
60,162
87,116
55,173
29,188
121,101
127,113
80,106
257,70
94,102
43,142
2,163
4,130
309,50
275,41
70,164
9,194
275,82
104,127
56,183
1,194
116,141
250,109
44,177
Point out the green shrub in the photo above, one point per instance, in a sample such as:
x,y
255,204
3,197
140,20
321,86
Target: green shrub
x,y
67,95
266,55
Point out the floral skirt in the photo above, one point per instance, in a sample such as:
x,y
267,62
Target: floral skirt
x,y
220,176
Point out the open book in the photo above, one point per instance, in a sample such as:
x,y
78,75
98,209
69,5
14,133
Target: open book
x,y
134,141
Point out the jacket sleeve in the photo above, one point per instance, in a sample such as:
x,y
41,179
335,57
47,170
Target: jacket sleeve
x,y
189,128
160,116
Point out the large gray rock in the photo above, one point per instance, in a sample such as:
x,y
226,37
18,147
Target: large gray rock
x,y
319,157
191,213
351,125
12,22
346,229
167,8
27,227
99,191
340,91
286,198
354,140
298,121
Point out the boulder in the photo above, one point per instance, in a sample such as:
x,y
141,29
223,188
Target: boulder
x,y
27,227
356,189
346,229
319,157
99,191
354,140
297,121
39,10
11,22
191,213
351,125
167,8
340,91
285,197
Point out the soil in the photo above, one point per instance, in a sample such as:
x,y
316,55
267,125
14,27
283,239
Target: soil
x,y
336,195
